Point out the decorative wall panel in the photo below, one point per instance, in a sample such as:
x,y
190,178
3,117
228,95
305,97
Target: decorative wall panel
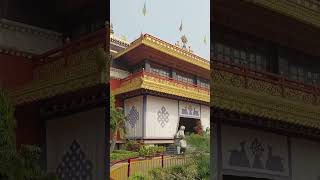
x,y
133,108
255,153
75,145
189,110
161,117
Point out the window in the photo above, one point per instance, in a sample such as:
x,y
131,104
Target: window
x,y
254,59
204,83
184,77
159,70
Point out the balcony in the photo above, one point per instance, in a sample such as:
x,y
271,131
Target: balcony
x,y
307,11
154,82
76,65
263,94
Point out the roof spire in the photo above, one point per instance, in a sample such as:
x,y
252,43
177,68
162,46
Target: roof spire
x,y
144,10
180,28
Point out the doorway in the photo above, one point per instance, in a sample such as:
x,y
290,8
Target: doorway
x,y
192,125
228,177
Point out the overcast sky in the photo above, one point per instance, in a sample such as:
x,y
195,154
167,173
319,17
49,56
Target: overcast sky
x,y
163,19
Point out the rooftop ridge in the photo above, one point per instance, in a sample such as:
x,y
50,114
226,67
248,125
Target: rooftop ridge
x,y
146,35
167,48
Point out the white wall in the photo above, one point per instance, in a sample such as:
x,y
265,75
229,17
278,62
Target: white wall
x,y
205,117
305,159
233,155
86,128
134,105
154,129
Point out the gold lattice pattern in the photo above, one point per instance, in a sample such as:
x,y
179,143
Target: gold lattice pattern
x,y
264,99
157,84
58,77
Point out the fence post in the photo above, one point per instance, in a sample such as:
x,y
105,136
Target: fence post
x,y
162,163
129,161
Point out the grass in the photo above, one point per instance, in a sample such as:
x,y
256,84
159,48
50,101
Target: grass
x,y
118,155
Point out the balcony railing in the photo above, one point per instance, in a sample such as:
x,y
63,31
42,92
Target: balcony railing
x,y
155,82
65,69
263,94
309,4
266,82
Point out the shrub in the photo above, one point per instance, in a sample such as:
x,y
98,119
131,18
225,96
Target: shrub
x,y
133,145
186,172
199,147
138,176
198,143
151,150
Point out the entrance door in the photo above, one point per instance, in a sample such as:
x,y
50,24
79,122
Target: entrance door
x,y
242,178
192,125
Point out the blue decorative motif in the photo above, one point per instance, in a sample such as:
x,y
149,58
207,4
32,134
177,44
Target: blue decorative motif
x,y
163,116
74,165
133,116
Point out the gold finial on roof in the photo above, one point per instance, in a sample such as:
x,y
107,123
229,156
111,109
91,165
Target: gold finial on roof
x,y
184,40
111,29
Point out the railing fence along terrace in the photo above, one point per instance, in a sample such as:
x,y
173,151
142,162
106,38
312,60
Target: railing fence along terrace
x,y
309,4
143,73
265,82
122,170
74,66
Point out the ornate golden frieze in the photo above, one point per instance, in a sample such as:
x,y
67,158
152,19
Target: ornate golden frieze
x,y
265,99
307,11
167,48
77,71
151,82
28,29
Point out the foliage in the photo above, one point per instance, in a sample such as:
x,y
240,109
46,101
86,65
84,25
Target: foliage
x,y
138,176
199,148
101,59
198,143
16,163
117,121
133,145
151,150
185,172
118,155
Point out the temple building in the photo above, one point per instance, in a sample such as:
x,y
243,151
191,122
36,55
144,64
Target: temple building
x,y
265,108
53,64
161,87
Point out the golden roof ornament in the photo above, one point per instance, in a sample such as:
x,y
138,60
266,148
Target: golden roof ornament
x,y
111,29
184,40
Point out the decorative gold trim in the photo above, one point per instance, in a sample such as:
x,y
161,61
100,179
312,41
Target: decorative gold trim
x,y
298,10
57,77
264,100
167,48
25,28
164,86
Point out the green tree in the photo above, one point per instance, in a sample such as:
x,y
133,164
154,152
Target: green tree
x,y
117,122
16,162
